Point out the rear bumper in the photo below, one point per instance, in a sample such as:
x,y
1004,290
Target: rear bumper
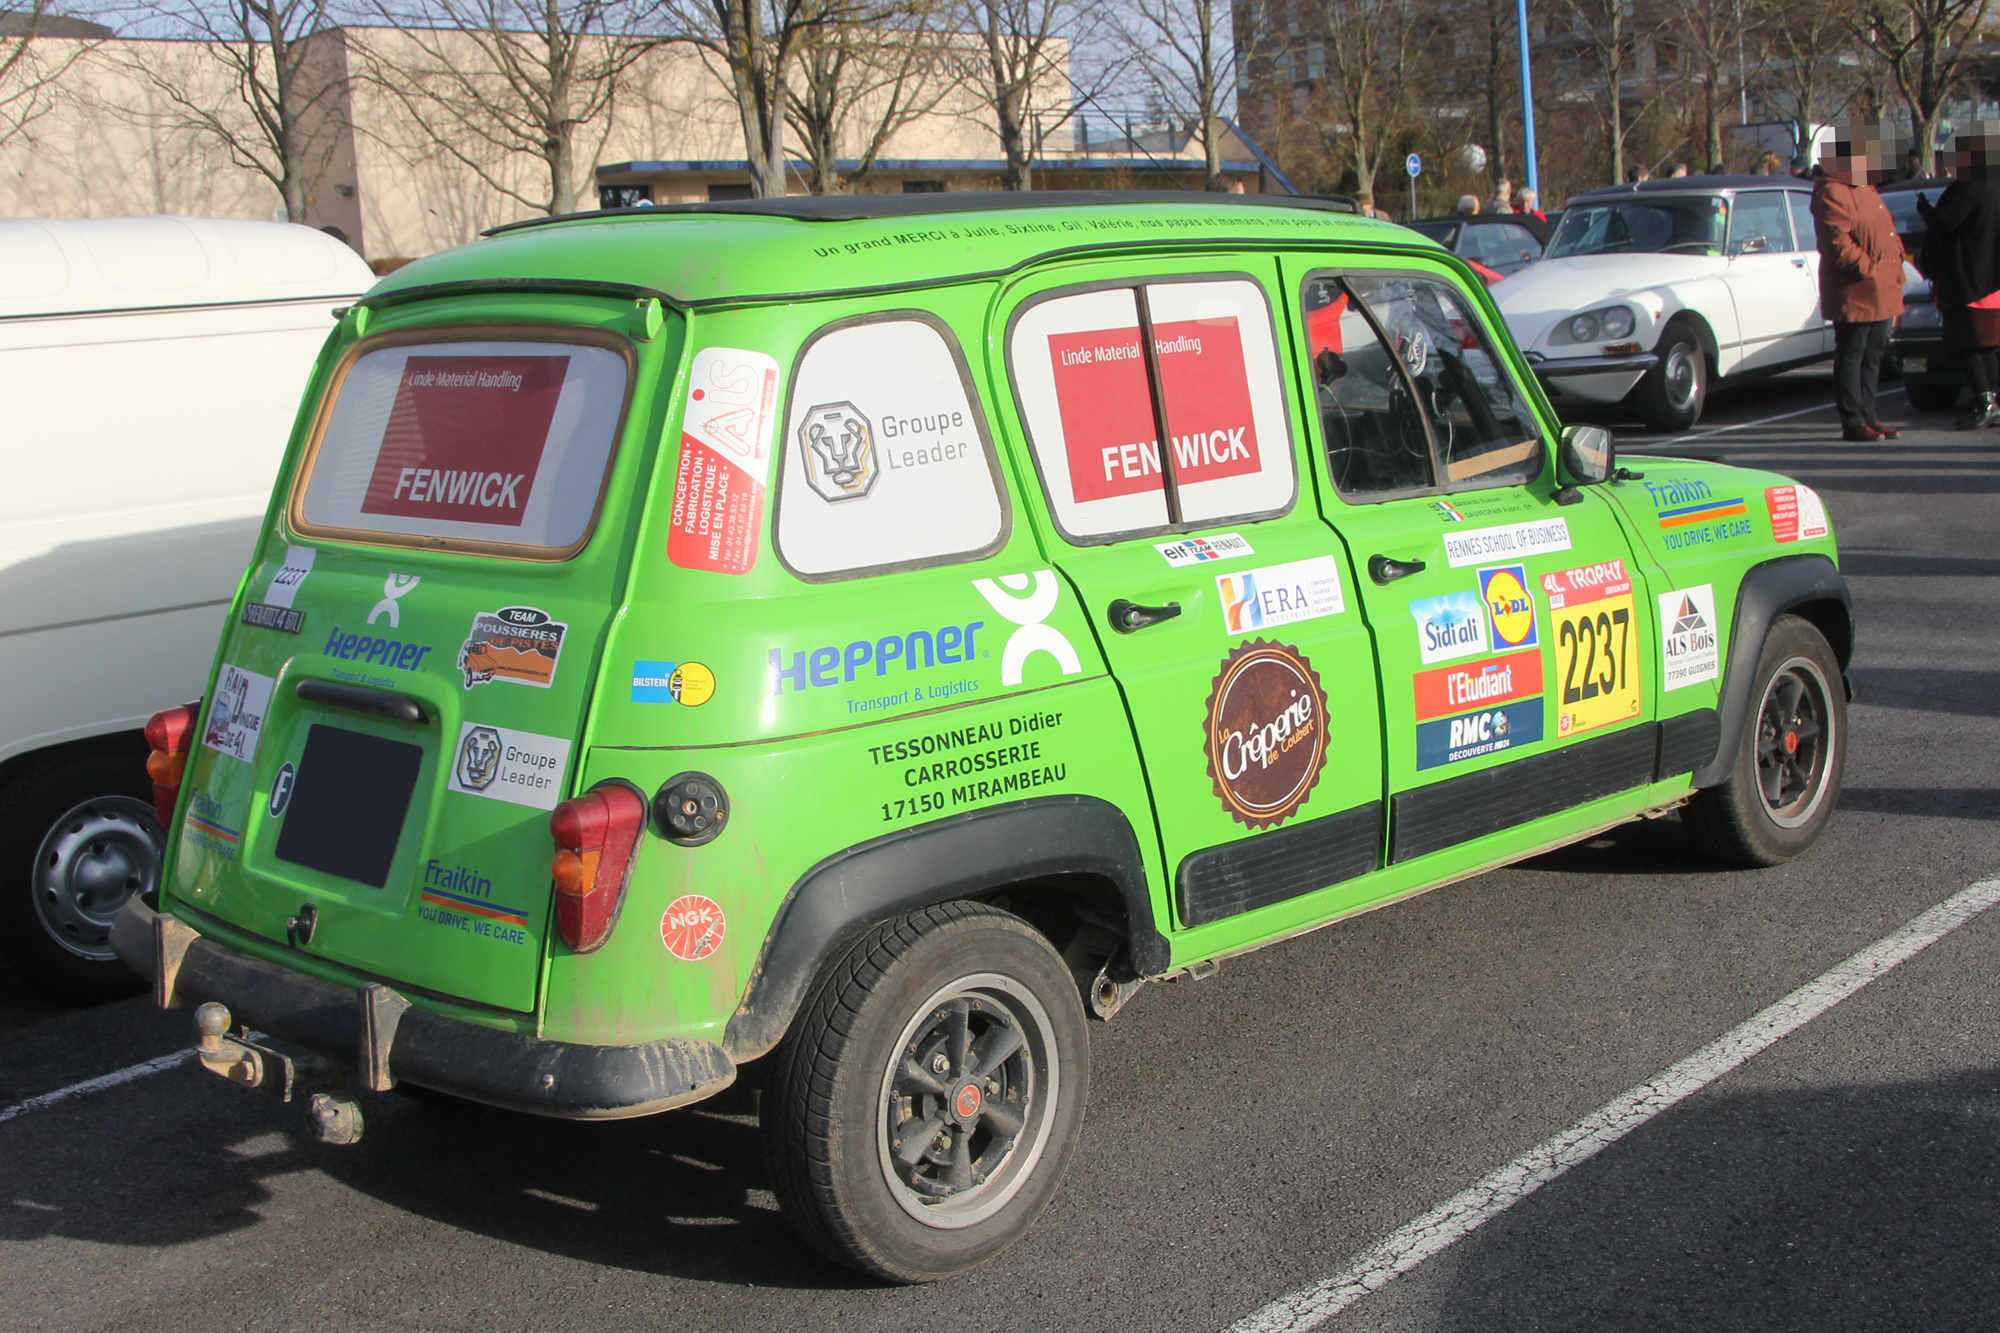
x,y
505,1069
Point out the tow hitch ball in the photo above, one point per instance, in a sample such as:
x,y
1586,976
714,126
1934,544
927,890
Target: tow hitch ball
x,y
335,1114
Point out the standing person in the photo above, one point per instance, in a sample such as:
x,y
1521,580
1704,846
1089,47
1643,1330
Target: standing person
x,y
1503,196
1680,169
1860,266
1961,257
1468,205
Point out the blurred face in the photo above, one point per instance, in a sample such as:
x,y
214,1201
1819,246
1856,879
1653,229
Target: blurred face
x,y
1863,152
1975,155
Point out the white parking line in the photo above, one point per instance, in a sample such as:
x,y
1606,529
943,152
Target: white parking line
x,y
1459,1216
100,1083
1747,425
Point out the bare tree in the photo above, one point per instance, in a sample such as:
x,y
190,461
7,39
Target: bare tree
x,y
286,69
1711,35
31,71
1609,31
1371,74
754,45
491,81
1927,46
1810,42
877,68
1023,49
1185,53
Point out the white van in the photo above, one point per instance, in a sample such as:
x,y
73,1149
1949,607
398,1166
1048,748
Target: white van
x,y
150,369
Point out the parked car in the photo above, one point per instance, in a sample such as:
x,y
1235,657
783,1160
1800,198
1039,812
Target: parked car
x,y
150,369
920,703
1932,375
1498,241
1650,293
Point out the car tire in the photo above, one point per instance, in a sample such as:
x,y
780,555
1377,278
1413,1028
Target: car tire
x,y
1932,397
1672,394
77,839
959,1023
1786,779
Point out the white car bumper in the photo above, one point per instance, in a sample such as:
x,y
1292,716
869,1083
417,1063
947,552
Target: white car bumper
x,y
1591,379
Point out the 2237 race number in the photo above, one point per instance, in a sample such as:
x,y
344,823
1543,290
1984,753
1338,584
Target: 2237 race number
x,y
1597,646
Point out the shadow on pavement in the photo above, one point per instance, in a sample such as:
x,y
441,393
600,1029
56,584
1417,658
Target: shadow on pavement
x,y
1864,563
1930,802
1929,690
1643,847
1823,1209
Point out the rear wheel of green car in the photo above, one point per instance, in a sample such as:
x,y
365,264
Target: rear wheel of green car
x,y
1786,781
923,1108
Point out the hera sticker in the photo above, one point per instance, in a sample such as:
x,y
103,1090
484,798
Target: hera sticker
x,y
517,644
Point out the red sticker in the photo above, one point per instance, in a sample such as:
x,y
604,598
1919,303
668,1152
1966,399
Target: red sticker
x,y
693,927
725,457
1796,513
465,438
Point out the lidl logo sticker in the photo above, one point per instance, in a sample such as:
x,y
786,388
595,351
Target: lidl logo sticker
x,y
688,683
1689,653
1280,594
1510,607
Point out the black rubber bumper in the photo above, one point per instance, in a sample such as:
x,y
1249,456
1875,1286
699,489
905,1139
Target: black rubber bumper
x,y
505,1069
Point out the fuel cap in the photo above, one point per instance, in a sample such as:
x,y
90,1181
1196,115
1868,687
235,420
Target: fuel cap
x,y
690,809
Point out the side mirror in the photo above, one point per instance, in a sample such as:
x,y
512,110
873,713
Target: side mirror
x,y
1587,456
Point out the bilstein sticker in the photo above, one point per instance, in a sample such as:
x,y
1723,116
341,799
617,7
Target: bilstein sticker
x,y
687,683
236,718
502,765
516,644
1265,734
725,460
693,927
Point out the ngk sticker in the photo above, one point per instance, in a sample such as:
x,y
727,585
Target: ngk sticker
x,y
692,927
725,461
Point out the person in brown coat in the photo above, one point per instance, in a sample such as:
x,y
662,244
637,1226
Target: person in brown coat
x,y
1860,266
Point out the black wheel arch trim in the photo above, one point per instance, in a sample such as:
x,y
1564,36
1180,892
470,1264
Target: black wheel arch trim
x,y
839,899
1768,591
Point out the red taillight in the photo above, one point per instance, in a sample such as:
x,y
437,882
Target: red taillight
x,y
169,732
596,836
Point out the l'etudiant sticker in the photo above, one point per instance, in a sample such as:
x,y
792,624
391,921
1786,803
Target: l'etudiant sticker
x,y
236,718
725,460
500,764
518,644
1510,541
1688,647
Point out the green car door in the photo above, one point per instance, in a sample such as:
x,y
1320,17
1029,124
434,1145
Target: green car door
x,y
1224,605
1506,610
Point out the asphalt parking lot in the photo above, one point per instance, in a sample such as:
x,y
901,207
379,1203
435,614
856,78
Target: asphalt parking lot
x,y
1251,1134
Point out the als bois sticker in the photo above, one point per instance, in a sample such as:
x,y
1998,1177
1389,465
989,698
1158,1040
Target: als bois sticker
x,y
517,644
1599,662
236,718
1201,550
725,460
1254,599
1510,607
1689,653
1796,513
1509,541
693,927
520,767
1265,732
1453,625
687,683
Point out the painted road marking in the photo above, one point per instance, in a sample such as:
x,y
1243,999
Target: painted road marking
x,y
100,1083
1464,1213
1747,425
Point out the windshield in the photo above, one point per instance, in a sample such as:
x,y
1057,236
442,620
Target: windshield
x,y
1444,233
1684,224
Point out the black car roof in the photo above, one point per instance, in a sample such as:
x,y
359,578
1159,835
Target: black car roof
x,y
1476,219
1925,183
1695,185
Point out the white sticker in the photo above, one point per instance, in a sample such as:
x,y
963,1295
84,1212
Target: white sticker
x,y
1688,653
516,766
1200,550
1254,599
1514,541
236,718
1450,626
285,583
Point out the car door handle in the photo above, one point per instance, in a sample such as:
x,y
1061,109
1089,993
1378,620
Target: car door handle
x,y
1128,616
360,699
1798,263
1384,570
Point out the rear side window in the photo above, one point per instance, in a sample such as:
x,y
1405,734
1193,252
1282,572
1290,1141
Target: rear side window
x,y
887,463
498,444
1092,400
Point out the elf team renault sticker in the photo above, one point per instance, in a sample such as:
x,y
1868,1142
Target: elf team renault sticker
x,y
1265,735
517,644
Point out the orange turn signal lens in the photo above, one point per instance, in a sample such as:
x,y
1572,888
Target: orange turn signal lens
x,y
569,871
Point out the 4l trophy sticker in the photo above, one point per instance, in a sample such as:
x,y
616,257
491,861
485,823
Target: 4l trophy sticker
x,y
518,644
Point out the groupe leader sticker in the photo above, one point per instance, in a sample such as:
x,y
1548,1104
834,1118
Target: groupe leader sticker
x,y
725,460
503,765
236,718
688,683
517,644
1512,540
1688,648
1796,513
1265,732
276,611
693,927
1453,625
1255,599
1200,550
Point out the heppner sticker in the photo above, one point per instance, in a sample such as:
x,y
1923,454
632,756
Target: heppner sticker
x,y
1254,599
1200,550
236,718
1513,540
1796,513
1688,651
503,765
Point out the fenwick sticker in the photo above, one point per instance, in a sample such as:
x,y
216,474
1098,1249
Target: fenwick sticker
x,y
725,460
1265,732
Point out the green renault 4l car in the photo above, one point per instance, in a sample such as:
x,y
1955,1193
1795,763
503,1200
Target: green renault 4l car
x,y
852,643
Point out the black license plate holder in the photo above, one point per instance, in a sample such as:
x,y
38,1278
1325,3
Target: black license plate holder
x,y
350,801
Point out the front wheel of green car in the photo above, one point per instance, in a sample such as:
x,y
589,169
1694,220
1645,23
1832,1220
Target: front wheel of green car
x,y
1786,781
923,1108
